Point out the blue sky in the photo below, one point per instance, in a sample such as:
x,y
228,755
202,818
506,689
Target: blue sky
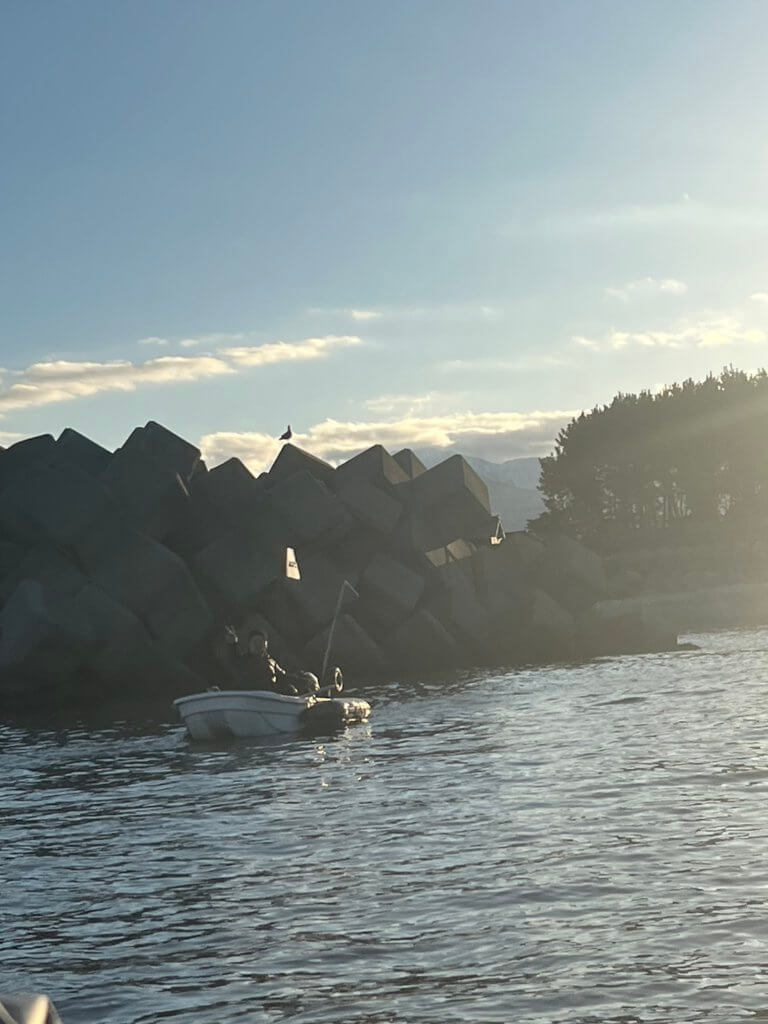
x,y
426,222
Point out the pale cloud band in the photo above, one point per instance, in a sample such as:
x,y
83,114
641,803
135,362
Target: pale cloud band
x,y
490,434
715,332
47,383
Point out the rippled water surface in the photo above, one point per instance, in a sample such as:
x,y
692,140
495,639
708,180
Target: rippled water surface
x,y
581,844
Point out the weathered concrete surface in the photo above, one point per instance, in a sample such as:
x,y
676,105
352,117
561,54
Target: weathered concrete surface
x,y
390,589
23,455
45,564
310,510
152,495
75,449
295,460
237,568
61,504
409,461
153,582
43,641
352,647
374,466
170,450
422,643
370,505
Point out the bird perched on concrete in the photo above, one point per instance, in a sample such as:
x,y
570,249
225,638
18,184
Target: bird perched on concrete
x,y
287,435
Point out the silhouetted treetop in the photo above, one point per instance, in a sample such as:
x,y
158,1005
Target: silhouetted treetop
x,y
692,451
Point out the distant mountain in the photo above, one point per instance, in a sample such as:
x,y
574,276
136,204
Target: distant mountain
x,y
522,473
512,485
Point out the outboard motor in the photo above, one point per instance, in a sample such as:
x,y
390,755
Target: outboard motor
x,y
27,1009
306,682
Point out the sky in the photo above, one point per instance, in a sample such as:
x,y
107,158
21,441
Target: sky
x,y
428,223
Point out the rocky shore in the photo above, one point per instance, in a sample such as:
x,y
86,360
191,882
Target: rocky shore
x,y
119,570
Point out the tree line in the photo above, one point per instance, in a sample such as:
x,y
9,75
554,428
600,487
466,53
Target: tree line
x,y
695,452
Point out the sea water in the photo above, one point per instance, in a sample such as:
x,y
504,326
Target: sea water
x,y
574,843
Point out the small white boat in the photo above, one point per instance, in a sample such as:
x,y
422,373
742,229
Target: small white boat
x,y
222,714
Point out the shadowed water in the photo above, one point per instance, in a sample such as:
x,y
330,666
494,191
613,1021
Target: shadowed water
x,y
583,844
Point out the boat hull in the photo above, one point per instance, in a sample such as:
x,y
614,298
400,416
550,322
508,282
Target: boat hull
x,y
223,714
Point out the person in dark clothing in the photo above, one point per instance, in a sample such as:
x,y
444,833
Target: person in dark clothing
x,y
264,672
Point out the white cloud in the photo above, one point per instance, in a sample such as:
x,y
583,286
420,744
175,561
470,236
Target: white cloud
x,y
712,332
493,434
190,343
153,341
289,352
646,287
46,383
759,297
61,381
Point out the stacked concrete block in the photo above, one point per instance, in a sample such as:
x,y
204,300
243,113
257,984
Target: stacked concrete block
x,y
171,451
370,505
409,461
153,582
19,458
452,502
152,495
236,568
47,565
126,567
389,591
457,605
572,573
505,568
353,648
122,655
316,594
374,466
422,643
291,460
230,489
226,497
43,641
310,510
74,449
355,550
57,503
453,552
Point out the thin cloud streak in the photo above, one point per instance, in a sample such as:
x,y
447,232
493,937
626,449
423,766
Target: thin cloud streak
x,y
47,383
447,313
289,352
684,213
647,287
502,434
524,364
